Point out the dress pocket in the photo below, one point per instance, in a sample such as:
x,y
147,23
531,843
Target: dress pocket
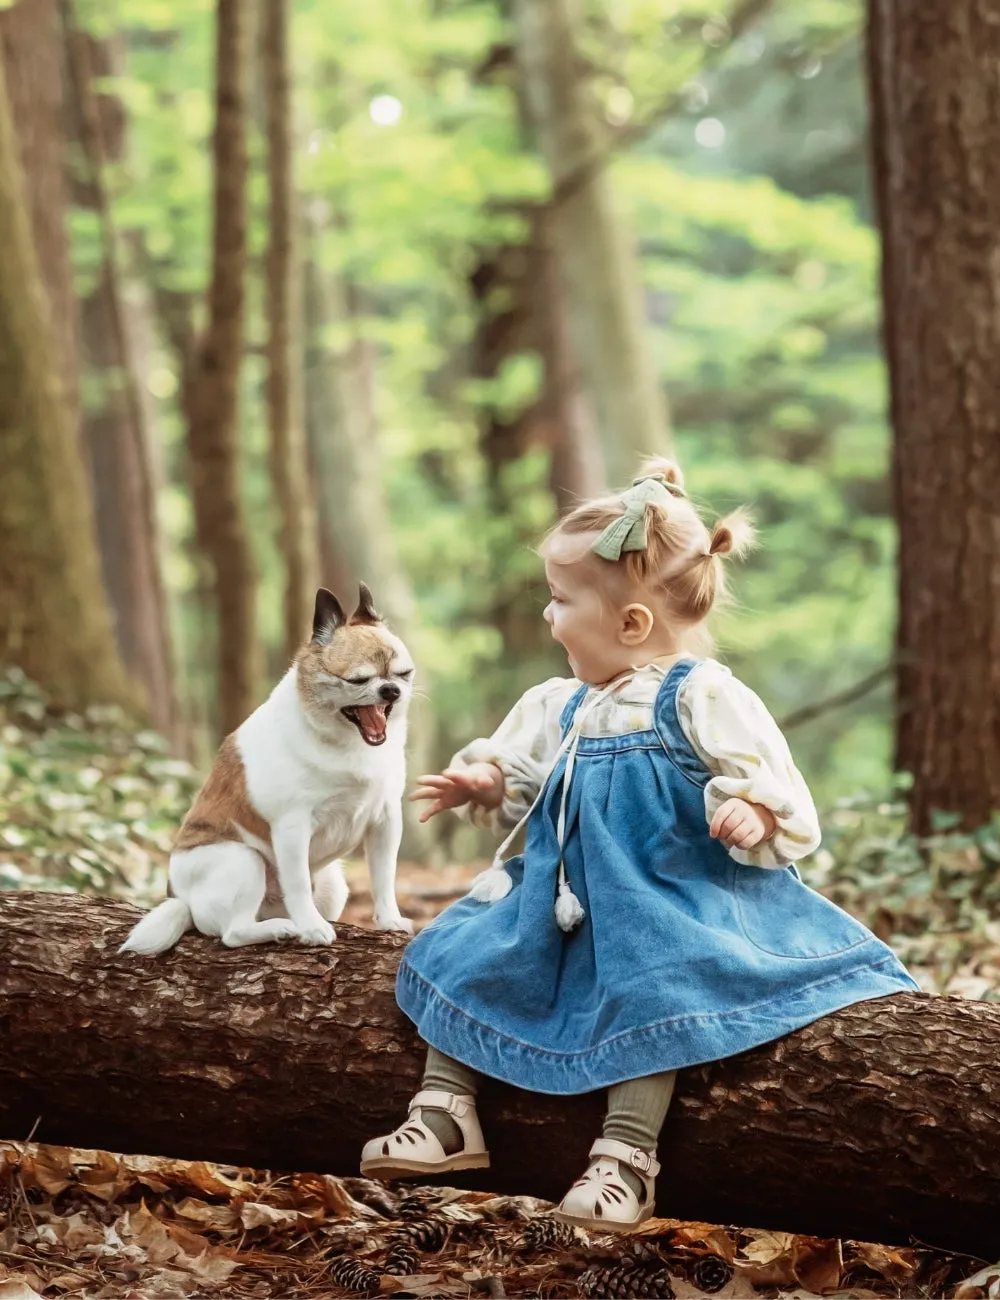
x,y
784,917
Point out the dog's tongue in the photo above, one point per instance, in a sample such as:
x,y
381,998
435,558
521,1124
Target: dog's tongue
x,y
372,719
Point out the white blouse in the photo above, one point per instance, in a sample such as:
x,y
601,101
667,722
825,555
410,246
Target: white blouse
x,y
726,723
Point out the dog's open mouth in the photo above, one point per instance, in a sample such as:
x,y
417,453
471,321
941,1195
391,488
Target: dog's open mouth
x,y
370,720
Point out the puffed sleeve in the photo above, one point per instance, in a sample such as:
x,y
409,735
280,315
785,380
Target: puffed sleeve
x,y
740,744
523,747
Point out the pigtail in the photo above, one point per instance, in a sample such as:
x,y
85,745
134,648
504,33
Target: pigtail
x,y
733,535
669,470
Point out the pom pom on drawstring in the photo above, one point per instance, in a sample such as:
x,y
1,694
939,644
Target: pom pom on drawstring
x,y
491,885
569,913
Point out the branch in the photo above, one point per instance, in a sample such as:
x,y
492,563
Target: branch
x,y
741,19
842,698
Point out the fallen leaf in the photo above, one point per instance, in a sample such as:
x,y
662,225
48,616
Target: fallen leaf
x,y
897,1265
217,1217
15,1289
693,1238
67,1282
77,1230
49,1168
255,1215
768,1246
107,1177
147,1231
818,1263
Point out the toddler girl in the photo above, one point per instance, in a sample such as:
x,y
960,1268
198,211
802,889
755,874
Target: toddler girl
x,y
654,920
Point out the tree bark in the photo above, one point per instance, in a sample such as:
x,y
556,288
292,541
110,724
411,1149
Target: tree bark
x,y
211,398
521,310
532,318
31,40
935,101
878,1123
289,462
597,257
54,617
343,440
115,428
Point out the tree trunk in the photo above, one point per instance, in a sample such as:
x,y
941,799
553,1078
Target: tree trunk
x,y
211,399
355,526
935,103
343,438
289,467
877,1123
54,617
32,52
114,421
597,257
532,318
521,311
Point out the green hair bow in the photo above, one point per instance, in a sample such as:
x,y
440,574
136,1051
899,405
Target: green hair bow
x,y
628,531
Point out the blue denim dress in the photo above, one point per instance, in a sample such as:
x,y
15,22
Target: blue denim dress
x,y
683,956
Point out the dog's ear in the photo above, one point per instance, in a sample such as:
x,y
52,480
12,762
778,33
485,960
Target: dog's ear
x,y
365,612
327,617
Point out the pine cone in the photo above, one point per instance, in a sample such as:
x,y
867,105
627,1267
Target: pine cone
x,y
543,1232
710,1273
374,1194
638,1252
417,1201
401,1260
428,1235
619,1280
352,1275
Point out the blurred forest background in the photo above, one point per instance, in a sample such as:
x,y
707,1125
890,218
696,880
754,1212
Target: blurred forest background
x,y
321,292
426,334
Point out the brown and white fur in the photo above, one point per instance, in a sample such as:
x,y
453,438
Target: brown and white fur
x,y
314,772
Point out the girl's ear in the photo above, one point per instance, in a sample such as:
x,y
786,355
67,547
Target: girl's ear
x,y
635,625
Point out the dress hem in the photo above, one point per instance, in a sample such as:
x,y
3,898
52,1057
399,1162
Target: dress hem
x,y
675,1044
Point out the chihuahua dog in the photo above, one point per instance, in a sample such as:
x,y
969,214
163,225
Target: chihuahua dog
x,y
313,773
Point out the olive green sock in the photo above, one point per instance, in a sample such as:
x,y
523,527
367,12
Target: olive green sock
x,y
636,1111
442,1074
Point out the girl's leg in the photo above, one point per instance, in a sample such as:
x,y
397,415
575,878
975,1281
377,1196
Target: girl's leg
x,y
442,1074
636,1111
446,1075
616,1191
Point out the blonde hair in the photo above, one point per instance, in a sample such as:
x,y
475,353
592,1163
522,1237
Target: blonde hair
x,y
682,563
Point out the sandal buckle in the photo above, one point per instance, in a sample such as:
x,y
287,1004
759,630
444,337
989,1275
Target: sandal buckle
x,y
640,1160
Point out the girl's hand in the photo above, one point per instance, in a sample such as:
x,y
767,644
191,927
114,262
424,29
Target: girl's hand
x,y
480,783
742,825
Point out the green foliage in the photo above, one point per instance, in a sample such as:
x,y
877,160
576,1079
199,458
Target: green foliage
x,y
934,899
86,802
760,273
767,329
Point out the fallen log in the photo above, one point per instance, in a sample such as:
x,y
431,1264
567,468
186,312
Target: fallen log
x,y
880,1123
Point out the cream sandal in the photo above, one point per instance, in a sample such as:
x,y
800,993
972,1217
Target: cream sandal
x,y
413,1149
601,1200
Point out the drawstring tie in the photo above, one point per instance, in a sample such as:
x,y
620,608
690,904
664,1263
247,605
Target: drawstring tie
x,y
568,908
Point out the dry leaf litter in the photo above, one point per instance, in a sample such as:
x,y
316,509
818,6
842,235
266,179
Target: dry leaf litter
x,y
77,1223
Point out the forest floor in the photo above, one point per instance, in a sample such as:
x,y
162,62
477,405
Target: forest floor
x,y
97,1226
87,803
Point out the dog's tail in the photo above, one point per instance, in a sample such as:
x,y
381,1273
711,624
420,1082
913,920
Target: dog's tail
x,y
159,929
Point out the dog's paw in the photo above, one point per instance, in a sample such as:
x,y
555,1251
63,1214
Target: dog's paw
x,y
395,921
319,932
491,885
